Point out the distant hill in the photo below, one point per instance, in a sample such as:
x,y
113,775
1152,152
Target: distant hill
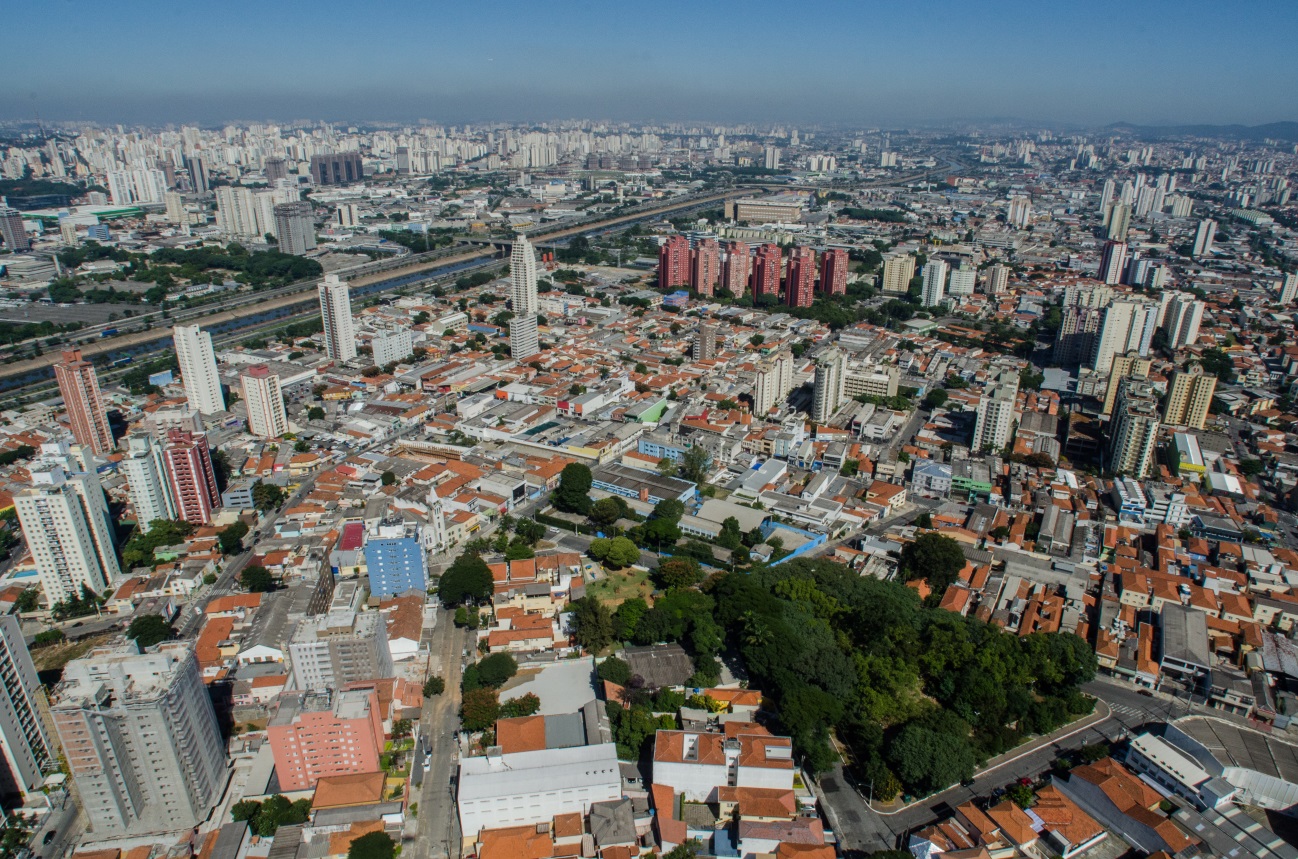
x,y
1274,130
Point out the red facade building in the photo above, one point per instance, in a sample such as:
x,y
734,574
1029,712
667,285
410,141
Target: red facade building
x,y
736,269
833,272
188,462
800,283
766,271
705,267
674,263
318,734
80,389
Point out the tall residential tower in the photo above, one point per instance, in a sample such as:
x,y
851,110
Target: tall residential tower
x,y
336,314
524,341
80,389
198,369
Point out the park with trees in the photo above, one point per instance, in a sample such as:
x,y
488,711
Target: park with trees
x,y
918,696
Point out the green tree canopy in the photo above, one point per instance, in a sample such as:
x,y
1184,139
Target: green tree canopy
x,y
614,670
933,557
593,624
495,669
231,538
479,709
267,496
468,579
373,845
573,492
678,573
615,553
257,579
149,629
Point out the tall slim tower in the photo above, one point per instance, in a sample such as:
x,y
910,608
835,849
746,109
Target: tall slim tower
x,y
1127,326
1289,288
336,313
84,480
831,372
141,738
1129,364
12,230
523,338
1113,261
1119,222
198,369
264,401
934,289
1135,428
673,262
995,416
997,280
28,750
59,534
735,269
1189,398
705,267
773,382
146,482
1203,237
191,476
833,272
766,271
705,343
1182,319
295,227
800,282
80,389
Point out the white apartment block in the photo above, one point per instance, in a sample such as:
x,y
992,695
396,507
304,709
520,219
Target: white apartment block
x,y
393,345
146,482
264,401
59,534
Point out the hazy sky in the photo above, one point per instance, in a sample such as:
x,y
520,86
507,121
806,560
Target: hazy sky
x,y
853,62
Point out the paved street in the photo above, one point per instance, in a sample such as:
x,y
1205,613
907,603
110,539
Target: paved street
x,y
862,827
1121,712
68,823
438,833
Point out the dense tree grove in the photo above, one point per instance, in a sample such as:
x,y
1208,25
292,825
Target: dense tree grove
x,y
918,695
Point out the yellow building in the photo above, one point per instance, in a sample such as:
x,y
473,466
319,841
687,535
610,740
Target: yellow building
x,y
1189,397
1130,364
898,269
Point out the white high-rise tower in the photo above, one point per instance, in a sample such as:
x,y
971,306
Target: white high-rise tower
x,y
198,369
336,312
146,482
831,370
264,401
934,289
523,338
58,531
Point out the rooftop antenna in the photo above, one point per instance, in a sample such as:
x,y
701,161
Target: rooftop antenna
x,y
39,125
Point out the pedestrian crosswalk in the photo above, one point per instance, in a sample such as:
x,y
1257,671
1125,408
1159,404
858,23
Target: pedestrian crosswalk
x,y
1125,710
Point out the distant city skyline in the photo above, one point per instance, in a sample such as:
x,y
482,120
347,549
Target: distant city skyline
x,y
843,63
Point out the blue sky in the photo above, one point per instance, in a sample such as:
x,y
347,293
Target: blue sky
x,y
857,63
